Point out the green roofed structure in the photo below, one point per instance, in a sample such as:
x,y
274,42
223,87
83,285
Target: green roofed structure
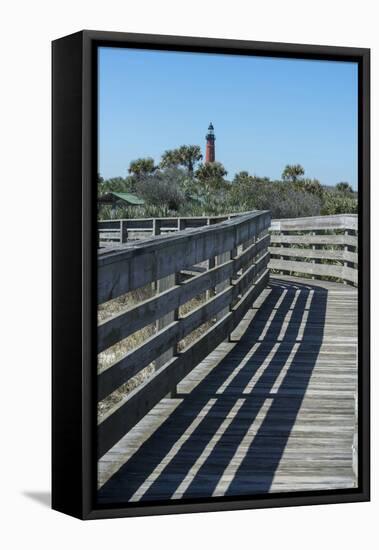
x,y
120,199
114,200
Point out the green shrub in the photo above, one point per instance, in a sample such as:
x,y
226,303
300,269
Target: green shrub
x,y
334,202
284,200
162,189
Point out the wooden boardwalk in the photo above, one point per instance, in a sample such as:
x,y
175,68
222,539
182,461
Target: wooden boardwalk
x,y
273,410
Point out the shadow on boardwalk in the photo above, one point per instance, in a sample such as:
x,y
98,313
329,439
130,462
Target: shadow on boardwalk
x,y
228,434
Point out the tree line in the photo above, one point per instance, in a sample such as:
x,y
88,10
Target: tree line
x,y
182,185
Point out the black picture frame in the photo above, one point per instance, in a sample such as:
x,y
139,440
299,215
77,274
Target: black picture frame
x,y
74,151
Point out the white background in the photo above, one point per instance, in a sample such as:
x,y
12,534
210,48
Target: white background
x,y
27,29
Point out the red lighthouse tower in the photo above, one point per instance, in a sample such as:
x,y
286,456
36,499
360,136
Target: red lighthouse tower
x,y
210,155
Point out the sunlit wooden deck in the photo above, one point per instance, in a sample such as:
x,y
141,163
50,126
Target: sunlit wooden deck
x,y
272,410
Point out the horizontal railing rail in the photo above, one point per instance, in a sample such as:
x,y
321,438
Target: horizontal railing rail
x,y
320,247
234,257
120,231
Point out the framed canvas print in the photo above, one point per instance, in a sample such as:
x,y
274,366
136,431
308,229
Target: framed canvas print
x,y
210,274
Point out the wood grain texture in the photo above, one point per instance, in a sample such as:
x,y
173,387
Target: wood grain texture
x,y
123,324
323,270
165,261
136,265
340,255
271,411
313,223
133,229
139,402
322,239
319,246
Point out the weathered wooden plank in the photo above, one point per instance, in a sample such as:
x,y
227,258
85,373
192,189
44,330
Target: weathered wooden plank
x,y
108,224
221,259
324,254
139,228
154,347
248,276
134,361
137,265
251,252
328,270
166,320
110,235
314,223
245,302
122,325
337,240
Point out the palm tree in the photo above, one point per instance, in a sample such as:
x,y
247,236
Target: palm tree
x,y
211,173
190,155
170,159
344,187
142,167
292,172
186,155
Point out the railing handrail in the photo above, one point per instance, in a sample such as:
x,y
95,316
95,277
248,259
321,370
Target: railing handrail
x,y
200,217
335,221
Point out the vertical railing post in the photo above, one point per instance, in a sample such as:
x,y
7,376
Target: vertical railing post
x,y
233,255
211,263
176,317
123,231
313,259
157,224
221,259
156,232
346,249
182,224
285,245
162,285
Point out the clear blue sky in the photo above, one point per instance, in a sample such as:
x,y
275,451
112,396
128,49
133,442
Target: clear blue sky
x,y
267,112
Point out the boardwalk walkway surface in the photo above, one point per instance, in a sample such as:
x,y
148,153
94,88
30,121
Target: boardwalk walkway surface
x,y
273,410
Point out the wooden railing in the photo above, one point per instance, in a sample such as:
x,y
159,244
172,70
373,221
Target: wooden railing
x,y
120,231
321,246
227,262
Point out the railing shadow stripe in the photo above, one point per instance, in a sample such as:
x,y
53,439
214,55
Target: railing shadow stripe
x,y
224,450
126,482
161,441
